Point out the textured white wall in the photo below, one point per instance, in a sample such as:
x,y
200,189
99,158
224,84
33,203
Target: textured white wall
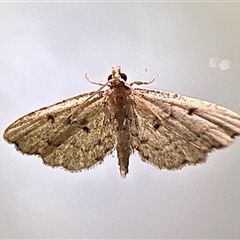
x,y
45,49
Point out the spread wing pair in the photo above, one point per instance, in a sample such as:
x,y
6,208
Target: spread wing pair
x,y
167,130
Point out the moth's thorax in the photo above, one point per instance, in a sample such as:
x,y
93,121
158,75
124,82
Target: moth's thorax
x,y
117,83
120,93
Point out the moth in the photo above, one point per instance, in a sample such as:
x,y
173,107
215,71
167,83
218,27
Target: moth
x,y
167,130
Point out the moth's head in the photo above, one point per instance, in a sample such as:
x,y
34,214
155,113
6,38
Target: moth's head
x,y
116,74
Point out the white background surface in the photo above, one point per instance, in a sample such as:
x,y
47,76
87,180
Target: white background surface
x,y
45,49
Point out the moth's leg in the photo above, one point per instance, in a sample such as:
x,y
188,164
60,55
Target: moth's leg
x,y
91,81
141,83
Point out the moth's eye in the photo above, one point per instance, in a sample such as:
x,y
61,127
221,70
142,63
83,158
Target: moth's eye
x,y
110,77
124,76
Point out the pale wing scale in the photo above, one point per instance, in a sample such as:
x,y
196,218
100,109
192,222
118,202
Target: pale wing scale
x,y
228,120
35,119
162,147
47,131
83,149
183,101
31,132
180,138
198,126
195,130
